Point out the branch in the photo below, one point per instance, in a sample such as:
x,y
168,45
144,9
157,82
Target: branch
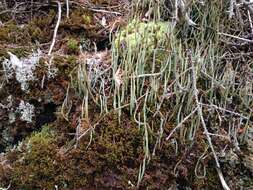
x,y
236,37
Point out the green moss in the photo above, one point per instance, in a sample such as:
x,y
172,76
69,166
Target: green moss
x,y
80,16
119,144
87,19
46,135
41,163
12,33
212,179
72,45
39,27
36,162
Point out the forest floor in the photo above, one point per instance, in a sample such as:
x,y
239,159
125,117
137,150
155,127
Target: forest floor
x,y
121,94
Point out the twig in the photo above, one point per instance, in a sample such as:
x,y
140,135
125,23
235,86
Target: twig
x,y
231,9
200,113
250,22
181,123
175,17
225,110
104,11
56,28
184,10
236,37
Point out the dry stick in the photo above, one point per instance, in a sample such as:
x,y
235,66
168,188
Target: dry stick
x,y
250,22
199,108
67,5
56,28
231,9
225,110
184,9
96,9
104,11
181,123
175,16
236,37
53,41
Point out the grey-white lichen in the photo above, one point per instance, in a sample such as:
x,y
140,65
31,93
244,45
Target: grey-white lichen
x,y
22,69
51,69
26,110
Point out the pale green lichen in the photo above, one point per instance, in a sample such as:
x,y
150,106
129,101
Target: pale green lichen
x,y
140,34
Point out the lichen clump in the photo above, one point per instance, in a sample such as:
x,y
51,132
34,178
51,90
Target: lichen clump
x,y
22,69
137,33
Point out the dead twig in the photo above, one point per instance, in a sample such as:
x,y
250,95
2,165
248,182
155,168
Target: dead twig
x,y
55,29
67,6
231,9
181,123
225,110
236,37
200,113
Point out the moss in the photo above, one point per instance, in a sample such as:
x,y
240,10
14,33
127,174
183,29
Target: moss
x,y
80,17
41,163
87,19
4,173
113,155
39,27
12,33
65,65
72,45
36,162
109,160
119,143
